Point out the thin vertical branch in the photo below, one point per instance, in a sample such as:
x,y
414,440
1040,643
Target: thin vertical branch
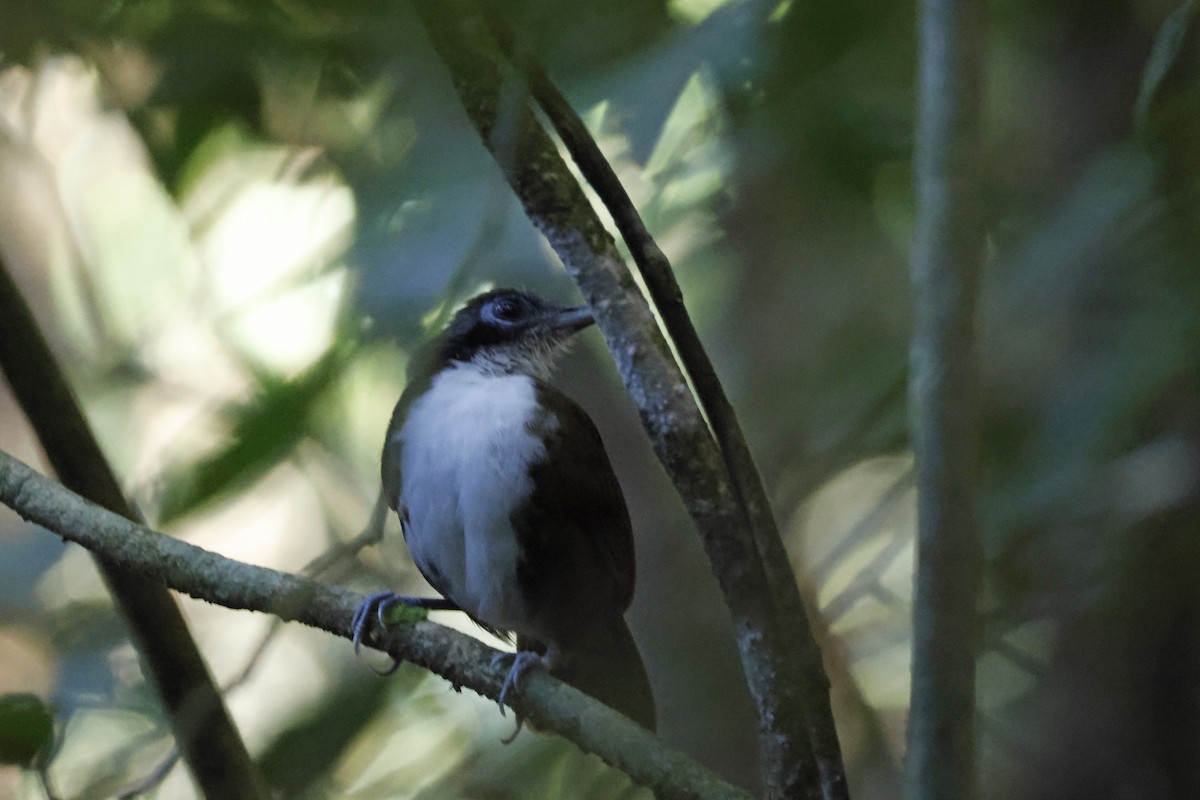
x,y
946,262
667,298
207,737
777,659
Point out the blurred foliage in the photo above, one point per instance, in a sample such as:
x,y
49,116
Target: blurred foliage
x,y
236,220
261,434
26,728
1168,46
304,754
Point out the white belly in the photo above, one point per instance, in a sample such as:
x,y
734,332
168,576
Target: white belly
x,y
464,465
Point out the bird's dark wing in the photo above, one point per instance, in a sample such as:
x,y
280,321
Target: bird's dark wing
x,y
389,466
574,534
576,564
420,375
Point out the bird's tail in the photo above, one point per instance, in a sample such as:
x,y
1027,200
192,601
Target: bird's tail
x,y
608,666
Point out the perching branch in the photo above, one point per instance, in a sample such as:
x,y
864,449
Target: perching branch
x,y
943,388
546,702
338,552
777,658
204,731
667,299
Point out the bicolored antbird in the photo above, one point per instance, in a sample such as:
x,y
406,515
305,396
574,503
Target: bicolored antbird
x,y
508,502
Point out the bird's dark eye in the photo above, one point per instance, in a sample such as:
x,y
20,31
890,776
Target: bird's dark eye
x,y
506,310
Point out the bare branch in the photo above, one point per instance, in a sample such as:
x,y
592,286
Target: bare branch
x,y
547,703
777,658
667,298
946,262
340,551
207,737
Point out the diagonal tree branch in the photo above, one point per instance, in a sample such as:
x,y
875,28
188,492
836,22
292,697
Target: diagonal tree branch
x,y
943,388
544,701
779,656
339,551
207,737
667,298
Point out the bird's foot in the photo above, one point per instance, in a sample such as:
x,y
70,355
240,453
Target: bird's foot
x,y
377,605
517,664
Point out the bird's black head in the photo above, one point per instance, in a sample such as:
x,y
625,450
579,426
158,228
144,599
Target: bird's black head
x,y
506,331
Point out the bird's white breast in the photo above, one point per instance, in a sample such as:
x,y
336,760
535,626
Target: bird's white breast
x,y
465,456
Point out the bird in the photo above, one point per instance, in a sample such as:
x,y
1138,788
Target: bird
x,y
508,502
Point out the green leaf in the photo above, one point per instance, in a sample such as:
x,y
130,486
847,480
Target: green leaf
x,y
26,728
1167,46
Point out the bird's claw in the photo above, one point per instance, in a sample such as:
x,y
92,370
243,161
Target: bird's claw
x,y
379,603
517,664
375,604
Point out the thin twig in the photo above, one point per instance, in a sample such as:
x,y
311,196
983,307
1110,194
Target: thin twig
x,y
866,525
211,745
371,534
544,701
340,551
946,263
153,778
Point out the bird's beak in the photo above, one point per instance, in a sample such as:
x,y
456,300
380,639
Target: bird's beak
x,y
570,320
